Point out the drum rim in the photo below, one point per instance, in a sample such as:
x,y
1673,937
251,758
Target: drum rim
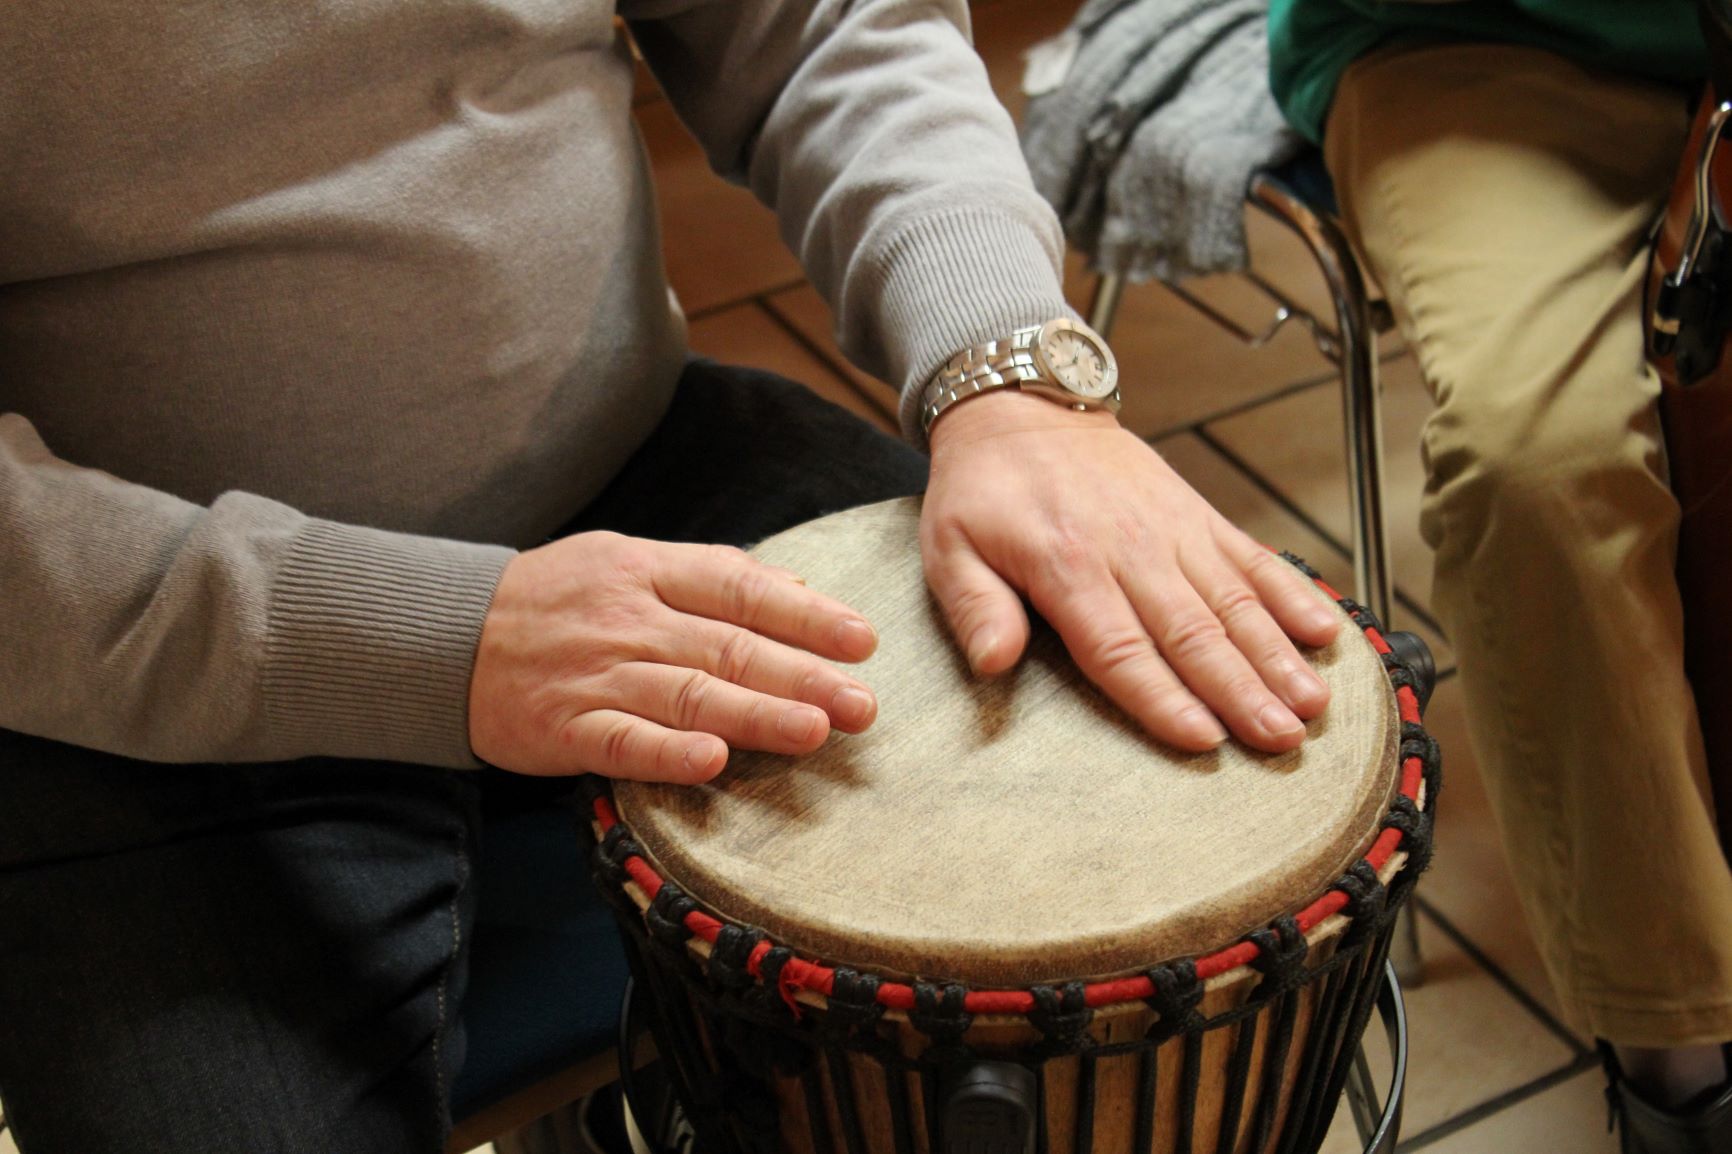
x,y
1404,828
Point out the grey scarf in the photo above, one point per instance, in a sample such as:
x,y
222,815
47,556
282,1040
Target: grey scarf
x,y
1146,145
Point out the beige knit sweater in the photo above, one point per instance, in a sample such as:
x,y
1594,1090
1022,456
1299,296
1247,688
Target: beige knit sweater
x,y
310,312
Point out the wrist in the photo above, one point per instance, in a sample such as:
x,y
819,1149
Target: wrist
x,y
1062,360
1005,411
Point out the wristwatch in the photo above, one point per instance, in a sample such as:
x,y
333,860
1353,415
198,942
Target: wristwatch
x,y
1063,360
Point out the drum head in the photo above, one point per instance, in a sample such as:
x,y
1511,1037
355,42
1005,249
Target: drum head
x,y
1017,830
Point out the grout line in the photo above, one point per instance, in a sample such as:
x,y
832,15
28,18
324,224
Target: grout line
x,y
1510,986
1281,393
1475,1114
1270,490
711,310
829,360
1304,384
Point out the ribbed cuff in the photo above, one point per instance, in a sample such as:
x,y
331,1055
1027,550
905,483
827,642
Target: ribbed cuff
x,y
371,643
956,279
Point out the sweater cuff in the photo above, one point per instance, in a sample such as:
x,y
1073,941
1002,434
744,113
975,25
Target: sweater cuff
x,y
372,641
961,278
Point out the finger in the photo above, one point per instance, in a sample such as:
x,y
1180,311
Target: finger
x,y
1194,642
754,662
725,584
1289,596
986,616
617,744
690,699
1252,630
1114,651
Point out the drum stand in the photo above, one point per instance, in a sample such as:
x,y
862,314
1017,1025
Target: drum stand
x,y
1300,198
1376,1119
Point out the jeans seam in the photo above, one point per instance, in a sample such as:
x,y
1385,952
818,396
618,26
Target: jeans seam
x,y
459,875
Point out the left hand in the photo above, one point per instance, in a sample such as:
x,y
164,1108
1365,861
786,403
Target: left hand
x,y
1178,616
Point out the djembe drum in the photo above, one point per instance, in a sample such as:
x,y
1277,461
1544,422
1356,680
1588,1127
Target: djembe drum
x,y
1006,920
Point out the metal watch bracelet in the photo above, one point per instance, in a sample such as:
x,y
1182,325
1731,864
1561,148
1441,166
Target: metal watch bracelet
x,y
975,370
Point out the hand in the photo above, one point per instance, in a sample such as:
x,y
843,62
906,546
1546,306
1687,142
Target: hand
x,y
1179,617
646,660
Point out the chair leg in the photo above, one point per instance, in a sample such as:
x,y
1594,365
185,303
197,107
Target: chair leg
x,y
1361,404
1104,305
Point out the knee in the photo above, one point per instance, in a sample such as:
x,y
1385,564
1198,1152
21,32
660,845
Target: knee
x,y
1503,470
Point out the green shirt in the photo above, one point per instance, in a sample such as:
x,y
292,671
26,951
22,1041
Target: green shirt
x,y
1311,42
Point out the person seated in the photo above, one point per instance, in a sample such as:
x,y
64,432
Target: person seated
x,y
1500,166
351,443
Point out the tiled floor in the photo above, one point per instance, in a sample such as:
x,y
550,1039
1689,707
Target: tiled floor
x,y
1258,432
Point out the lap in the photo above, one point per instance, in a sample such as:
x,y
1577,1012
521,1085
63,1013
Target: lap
x,y
272,957
1502,196
228,957
743,454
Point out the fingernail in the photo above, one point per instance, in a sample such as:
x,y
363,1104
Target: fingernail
x,y
700,756
853,707
801,722
856,636
1302,682
1277,720
981,647
1203,726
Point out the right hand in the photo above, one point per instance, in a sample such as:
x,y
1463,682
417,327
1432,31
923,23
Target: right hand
x,y
642,659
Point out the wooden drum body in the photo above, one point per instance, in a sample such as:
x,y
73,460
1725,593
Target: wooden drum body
x,y
1004,919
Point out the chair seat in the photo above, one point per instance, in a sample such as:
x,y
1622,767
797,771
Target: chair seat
x,y
547,971
1307,178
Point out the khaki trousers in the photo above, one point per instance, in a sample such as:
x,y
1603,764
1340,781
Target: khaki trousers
x,y
1502,197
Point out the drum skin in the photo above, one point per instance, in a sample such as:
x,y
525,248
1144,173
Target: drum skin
x,y
1007,831
1020,831
1698,424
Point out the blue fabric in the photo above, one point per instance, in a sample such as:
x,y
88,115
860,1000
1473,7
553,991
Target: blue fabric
x,y
546,971
1309,180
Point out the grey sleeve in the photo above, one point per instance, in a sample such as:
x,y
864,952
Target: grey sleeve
x,y
870,128
134,622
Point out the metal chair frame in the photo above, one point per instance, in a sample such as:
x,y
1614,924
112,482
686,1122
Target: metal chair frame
x,y
1351,345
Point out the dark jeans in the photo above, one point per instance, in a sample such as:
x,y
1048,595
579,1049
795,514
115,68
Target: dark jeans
x,y
273,957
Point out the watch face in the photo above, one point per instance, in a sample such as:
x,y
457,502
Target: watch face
x,y
1077,361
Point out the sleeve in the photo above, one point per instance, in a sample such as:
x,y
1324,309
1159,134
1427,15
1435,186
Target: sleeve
x,y
134,622
870,128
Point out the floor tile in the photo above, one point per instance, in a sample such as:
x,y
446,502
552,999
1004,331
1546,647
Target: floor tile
x,y
1005,29
720,245
1468,1042
1254,511
805,311
1177,367
1567,1119
1296,443
747,335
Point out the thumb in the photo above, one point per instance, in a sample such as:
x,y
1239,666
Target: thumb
x,y
985,614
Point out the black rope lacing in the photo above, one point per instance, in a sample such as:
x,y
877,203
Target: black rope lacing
x,y
1281,950
938,1013
1062,1016
1177,994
